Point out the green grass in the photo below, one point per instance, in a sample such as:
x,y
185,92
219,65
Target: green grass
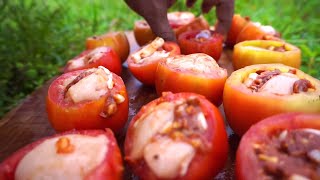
x,y
37,37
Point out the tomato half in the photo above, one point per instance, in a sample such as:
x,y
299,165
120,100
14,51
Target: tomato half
x,y
265,51
116,40
178,19
198,73
259,91
198,23
204,41
87,154
177,136
88,99
142,32
143,63
284,146
100,56
237,24
255,31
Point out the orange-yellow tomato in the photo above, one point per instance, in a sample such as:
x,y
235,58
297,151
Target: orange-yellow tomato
x,y
117,40
265,52
237,24
244,107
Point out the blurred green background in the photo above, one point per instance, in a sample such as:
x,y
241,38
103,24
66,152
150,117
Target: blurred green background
x,y
37,37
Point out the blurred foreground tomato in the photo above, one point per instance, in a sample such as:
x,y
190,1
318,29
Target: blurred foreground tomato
x,y
143,63
90,154
265,52
116,40
100,56
88,99
177,136
259,91
204,41
284,146
198,73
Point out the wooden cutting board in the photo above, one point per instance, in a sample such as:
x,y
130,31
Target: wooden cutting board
x,y
28,122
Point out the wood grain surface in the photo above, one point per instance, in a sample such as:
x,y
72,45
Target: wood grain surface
x,y
28,122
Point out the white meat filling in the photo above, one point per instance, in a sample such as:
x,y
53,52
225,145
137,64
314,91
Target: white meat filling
x,y
163,159
267,29
198,63
90,57
91,87
43,162
281,84
180,18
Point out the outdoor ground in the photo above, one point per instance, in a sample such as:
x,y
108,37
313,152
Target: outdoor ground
x,y
37,37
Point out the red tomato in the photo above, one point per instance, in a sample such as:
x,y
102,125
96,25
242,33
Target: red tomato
x,y
100,56
197,73
204,41
87,99
177,136
144,62
237,24
259,91
199,23
284,146
117,40
108,165
142,32
265,51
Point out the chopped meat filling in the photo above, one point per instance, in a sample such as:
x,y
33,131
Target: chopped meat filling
x,y
302,85
203,35
262,78
289,154
278,49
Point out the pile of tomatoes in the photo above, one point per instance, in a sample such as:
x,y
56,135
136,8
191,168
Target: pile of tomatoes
x,y
268,101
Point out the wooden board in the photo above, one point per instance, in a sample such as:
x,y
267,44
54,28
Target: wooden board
x,y
28,122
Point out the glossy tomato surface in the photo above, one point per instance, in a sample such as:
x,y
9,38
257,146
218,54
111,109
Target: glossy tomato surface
x,y
237,24
204,41
145,68
116,40
142,32
250,159
198,73
100,56
111,166
210,150
245,107
105,112
265,52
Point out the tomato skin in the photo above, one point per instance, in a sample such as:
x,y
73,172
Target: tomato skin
x,y
84,115
116,40
245,56
110,168
168,79
244,108
237,24
246,163
203,166
253,32
199,23
211,46
145,72
109,60
143,33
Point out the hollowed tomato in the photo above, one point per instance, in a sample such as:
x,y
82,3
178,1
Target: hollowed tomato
x,y
87,99
283,146
116,40
204,41
177,136
90,154
198,73
237,24
259,91
144,62
100,56
142,32
265,52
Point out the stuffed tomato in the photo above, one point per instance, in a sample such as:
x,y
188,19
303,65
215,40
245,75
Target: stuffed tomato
x,y
177,136
90,154
88,99
116,40
237,24
179,21
100,56
283,146
259,91
198,73
201,41
265,52
144,62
